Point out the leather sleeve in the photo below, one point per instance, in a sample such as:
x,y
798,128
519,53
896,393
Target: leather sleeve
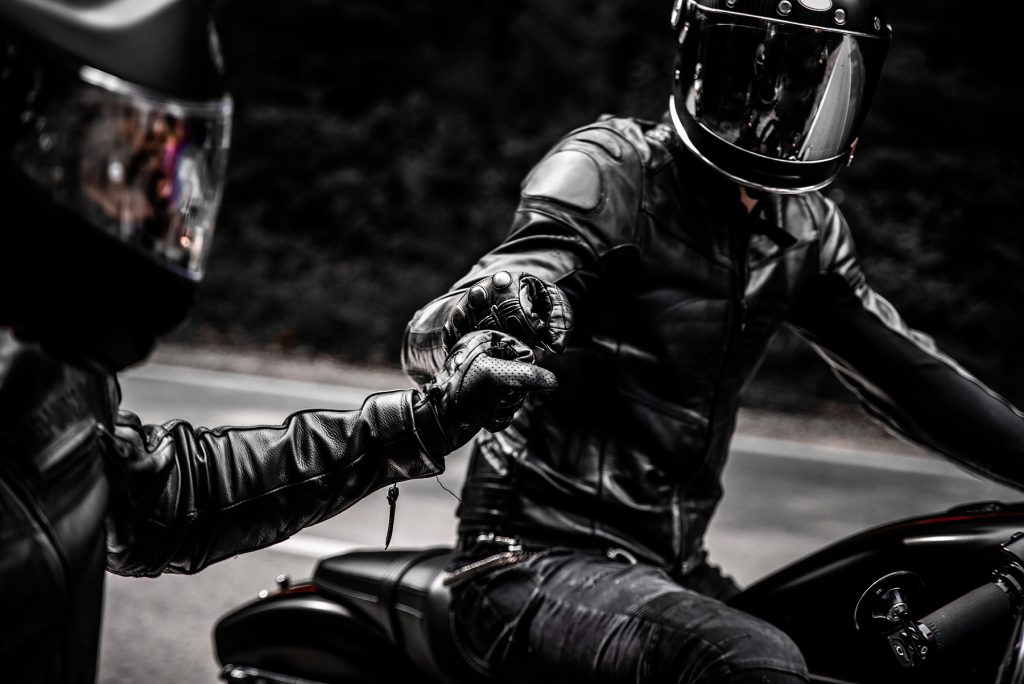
x,y
578,207
898,373
184,497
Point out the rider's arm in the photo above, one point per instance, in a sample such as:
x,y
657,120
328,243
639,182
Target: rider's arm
x,y
899,375
577,213
185,497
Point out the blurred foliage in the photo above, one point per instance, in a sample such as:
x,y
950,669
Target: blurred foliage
x,y
378,150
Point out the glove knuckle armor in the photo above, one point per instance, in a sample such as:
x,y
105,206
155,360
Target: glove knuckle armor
x,y
502,280
458,317
478,297
569,177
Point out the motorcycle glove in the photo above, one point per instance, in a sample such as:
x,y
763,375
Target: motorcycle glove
x,y
519,304
483,383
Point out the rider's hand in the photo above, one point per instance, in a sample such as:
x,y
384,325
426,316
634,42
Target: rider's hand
x,y
483,383
524,306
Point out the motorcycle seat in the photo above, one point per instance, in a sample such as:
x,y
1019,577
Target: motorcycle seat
x,y
402,592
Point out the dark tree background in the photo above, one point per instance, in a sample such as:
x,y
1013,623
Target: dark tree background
x,y
379,146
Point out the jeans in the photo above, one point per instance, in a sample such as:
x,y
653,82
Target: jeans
x,y
577,616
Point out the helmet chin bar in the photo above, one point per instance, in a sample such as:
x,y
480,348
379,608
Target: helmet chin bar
x,y
754,170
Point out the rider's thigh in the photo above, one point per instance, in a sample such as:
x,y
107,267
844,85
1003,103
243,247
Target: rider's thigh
x,y
700,639
566,615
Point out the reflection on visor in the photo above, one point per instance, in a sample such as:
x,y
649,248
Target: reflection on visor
x,y
148,171
778,91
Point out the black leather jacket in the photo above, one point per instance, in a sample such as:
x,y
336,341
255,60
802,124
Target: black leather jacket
x,y
677,293
84,487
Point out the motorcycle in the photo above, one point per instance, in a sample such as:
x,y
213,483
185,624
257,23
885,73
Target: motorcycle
x,y
930,599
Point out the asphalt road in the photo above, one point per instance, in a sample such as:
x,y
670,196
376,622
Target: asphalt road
x,y
783,500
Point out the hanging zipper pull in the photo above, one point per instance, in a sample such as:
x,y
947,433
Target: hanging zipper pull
x,y
392,501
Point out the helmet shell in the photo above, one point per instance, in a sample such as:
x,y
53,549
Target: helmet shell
x,y
80,290
772,94
167,46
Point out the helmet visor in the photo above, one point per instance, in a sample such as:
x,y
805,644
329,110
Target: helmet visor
x,y
147,170
778,90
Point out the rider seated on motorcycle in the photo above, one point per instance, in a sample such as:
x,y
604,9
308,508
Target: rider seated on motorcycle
x,y
114,127
682,246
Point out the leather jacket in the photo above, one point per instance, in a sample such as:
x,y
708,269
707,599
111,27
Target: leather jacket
x,y
677,292
85,488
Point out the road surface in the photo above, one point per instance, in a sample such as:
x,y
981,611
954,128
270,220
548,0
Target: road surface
x,y
783,500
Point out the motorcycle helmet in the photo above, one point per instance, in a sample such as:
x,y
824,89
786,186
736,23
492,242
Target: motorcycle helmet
x,y
773,93
114,133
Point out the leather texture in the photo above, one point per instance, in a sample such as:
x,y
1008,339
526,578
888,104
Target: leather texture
x,y
483,383
534,311
677,292
86,488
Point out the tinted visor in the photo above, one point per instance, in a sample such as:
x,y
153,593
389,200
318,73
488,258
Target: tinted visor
x,y
147,170
778,90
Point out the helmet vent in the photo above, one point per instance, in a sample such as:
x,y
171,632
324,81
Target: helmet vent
x,y
817,5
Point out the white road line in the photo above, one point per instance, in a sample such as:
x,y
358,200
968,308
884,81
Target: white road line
x,y
745,446
344,396
311,546
240,382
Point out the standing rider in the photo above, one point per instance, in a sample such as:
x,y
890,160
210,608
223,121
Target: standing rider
x,y
682,247
114,128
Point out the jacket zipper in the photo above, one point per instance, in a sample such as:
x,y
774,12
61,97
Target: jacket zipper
x,y
737,327
679,530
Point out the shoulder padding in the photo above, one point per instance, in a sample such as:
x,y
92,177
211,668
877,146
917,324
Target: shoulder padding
x,y
606,157
569,177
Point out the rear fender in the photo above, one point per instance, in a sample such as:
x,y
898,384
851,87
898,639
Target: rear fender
x,y
300,633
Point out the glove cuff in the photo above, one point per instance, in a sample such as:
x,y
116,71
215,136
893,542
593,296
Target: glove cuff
x,y
428,427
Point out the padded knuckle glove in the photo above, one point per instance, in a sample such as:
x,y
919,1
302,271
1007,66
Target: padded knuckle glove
x,y
483,383
519,304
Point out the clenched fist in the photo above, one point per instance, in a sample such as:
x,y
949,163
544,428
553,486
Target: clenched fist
x,y
483,383
533,311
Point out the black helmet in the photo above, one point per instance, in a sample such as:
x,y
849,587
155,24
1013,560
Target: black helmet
x,y
114,130
773,93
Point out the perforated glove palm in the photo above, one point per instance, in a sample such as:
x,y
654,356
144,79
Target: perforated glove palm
x,y
483,383
533,311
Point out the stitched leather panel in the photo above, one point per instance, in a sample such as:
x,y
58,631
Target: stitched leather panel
x,y
571,178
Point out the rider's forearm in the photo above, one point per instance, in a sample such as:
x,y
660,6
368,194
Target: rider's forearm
x,y
905,382
184,497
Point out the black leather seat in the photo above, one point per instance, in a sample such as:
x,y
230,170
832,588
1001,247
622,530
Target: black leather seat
x,y
402,593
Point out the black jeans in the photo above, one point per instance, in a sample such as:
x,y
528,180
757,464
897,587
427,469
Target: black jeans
x,y
572,616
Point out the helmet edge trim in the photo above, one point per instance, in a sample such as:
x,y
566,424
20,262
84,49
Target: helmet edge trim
x,y
115,84
677,124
